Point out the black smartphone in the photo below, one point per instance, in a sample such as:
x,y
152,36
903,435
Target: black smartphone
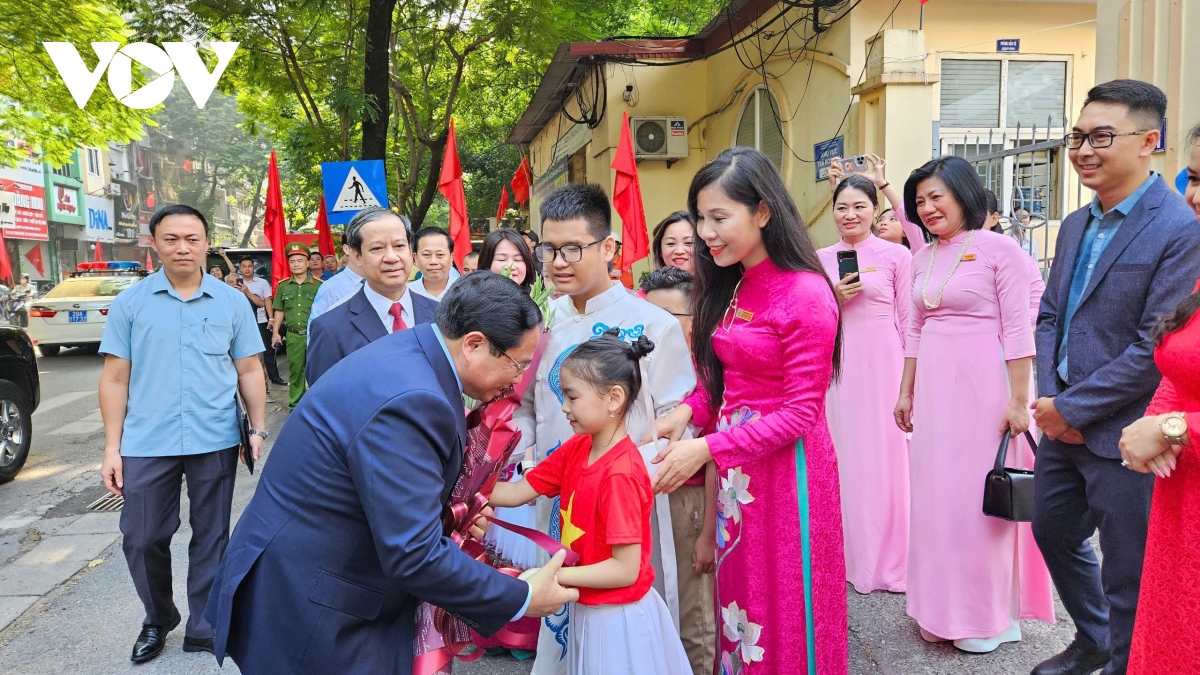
x,y
847,264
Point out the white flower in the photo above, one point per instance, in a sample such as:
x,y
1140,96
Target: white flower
x,y
734,493
738,629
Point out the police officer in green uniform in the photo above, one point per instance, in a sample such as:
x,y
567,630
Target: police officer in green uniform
x,y
293,303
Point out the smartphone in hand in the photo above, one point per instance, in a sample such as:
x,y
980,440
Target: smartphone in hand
x,y
847,264
856,164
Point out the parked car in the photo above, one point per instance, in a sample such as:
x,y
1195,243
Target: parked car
x,y
73,313
20,394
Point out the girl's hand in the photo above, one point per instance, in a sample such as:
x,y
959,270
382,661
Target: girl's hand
x,y
847,288
903,413
1016,418
670,426
704,553
1146,449
835,172
876,176
680,461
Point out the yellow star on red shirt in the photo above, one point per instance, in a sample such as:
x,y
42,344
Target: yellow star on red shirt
x,y
570,532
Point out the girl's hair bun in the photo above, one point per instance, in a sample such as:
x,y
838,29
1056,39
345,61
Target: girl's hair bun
x,y
641,347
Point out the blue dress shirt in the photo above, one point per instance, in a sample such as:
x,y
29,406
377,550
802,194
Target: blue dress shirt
x,y
1099,233
182,376
340,288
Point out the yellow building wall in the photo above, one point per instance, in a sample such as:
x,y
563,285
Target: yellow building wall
x,y
895,120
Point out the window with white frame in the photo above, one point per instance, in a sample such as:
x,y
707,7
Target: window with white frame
x,y
93,161
1002,93
760,126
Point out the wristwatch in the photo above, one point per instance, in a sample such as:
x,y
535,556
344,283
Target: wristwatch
x,y
1175,428
264,434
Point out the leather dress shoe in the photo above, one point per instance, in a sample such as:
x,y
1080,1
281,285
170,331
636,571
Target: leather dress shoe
x,y
191,644
1077,659
279,381
151,641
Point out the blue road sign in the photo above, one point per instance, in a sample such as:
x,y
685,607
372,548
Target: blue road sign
x,y
824,152
352,186
1013,45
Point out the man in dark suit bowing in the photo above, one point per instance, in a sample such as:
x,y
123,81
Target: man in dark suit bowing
x,y
381,244
343,537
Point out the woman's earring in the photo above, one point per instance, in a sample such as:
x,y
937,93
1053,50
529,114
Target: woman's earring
x,y
612,415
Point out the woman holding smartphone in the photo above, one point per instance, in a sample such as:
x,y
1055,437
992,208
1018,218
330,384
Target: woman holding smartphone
x,y
872,453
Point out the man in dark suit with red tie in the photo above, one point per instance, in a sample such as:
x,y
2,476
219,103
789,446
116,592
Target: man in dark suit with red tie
x,y
382,245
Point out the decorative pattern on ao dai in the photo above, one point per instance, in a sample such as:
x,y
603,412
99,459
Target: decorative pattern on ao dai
x,y
781,573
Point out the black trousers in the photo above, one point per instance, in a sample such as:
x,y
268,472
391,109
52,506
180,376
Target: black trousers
x,y
150,519
1077,492
264,329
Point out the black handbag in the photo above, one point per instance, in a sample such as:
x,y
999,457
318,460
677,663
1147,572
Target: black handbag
x,y
1008,492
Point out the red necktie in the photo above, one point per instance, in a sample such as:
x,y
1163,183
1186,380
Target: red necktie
x,y
397,322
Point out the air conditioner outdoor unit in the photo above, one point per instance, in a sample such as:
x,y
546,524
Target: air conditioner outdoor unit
x,y
659,137
114,189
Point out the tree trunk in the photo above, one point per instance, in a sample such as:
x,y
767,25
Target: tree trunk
x,y
375,79
437,152
254,209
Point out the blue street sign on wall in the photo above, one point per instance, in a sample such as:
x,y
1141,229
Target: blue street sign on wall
x,y
1013,45
351,187
824,152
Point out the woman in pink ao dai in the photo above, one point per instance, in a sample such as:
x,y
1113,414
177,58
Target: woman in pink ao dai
x,y
966,377
872,452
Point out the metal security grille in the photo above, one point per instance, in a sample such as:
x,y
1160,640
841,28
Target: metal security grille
x,y
1025,171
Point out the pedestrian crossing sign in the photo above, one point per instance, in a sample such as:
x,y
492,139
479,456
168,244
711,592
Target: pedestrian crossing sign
x,y
351,187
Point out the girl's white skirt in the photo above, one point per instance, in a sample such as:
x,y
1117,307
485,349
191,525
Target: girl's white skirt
x,y
510,546
634,639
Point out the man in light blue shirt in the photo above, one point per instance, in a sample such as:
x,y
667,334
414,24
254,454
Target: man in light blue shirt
x,y
340,288
176,347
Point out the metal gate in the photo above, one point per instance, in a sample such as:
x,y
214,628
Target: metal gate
x,y
1025,171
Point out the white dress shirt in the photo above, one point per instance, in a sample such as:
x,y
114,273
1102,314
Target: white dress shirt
x,y
418,286
383,306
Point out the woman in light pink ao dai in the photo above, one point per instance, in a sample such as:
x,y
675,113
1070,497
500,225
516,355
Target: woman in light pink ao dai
x,y
872,452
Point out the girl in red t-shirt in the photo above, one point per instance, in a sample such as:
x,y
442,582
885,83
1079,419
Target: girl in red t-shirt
x,y
620,625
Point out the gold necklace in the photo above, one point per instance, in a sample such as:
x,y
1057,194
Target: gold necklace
x,y
731,311
929,272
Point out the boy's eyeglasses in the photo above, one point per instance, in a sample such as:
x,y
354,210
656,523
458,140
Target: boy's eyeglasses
x,y
1098,139
571,253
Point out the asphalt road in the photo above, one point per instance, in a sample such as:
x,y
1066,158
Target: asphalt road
x,y
67,604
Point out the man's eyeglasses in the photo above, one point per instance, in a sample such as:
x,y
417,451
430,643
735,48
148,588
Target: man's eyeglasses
x,y
1098,139
520,368
571,253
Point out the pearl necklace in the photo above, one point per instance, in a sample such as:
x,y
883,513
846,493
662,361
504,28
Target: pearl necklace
x,y
929,272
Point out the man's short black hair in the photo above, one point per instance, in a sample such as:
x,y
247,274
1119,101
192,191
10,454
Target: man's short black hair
x,y
245,258
491,304
316,253
533,236
580,200
429,232
176,210
1146,103
669,279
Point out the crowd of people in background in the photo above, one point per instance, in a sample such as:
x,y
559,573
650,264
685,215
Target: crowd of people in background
x,y
760,422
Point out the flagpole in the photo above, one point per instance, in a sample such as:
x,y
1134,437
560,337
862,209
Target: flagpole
x,y
921,24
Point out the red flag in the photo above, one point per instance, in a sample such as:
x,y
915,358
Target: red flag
x,y
34,256
273,224
6,271
149,262
98,256
627,200
924,1
324,234
503,205
521,181
451,185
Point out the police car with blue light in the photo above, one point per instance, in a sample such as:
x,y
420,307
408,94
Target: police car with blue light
x,y
73,313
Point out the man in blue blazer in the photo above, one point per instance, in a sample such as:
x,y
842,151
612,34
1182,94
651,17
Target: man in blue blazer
x,y
1120,264
381,245
344,536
